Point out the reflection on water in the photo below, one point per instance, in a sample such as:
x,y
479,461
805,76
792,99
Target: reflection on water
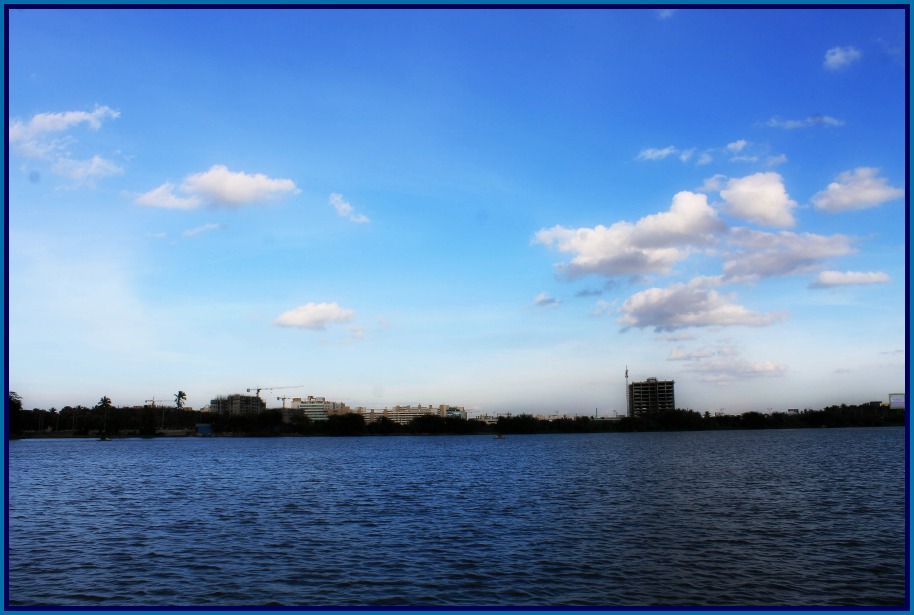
x,y
799,517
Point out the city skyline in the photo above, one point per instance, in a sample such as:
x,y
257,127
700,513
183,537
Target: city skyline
x,y
503,210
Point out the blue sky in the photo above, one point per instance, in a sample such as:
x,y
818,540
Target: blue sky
x,y
499,209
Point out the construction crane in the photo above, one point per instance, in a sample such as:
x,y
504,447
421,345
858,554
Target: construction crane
x,y
259,389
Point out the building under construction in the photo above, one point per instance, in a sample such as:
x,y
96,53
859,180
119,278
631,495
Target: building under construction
x,y
650,396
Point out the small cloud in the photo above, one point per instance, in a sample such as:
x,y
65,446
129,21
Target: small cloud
x,y
589,292
219,186
815,120
44,137
30,138
839,58
857,189
724,370
675,337
705,158
202,229
315,316
545,300
828,279
686,155
665,13
86,170
164,196
713,184
681,354
760,254
688,305
601,308
737,146
345,210
656,154
760,198
775,161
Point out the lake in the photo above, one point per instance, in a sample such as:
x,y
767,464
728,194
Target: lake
x,y
809,517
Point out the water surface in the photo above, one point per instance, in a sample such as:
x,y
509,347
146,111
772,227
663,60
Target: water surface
x,y
740,518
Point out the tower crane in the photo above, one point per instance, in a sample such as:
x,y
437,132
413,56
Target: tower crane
x,y
259,389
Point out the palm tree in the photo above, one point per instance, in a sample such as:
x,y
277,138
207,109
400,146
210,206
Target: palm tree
x,y
180,396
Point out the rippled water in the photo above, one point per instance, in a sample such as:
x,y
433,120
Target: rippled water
x,y
798,517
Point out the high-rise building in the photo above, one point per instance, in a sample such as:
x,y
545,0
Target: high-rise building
x,y
650,396
237,404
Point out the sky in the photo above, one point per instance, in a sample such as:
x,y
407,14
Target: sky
x,y
498,209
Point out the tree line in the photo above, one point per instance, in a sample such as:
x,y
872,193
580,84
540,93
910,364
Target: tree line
x,y
105,418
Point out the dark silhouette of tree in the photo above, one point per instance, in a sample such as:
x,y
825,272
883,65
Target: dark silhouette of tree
x,y
180,396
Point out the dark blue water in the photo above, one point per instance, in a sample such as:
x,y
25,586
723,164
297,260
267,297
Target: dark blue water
x,y
790,518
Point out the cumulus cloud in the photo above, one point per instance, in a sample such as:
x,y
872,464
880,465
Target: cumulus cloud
x,y
828,279
737,146
760,254
315,316
219,186
839,58
345,210
814,120
760,198
656,154
688,305
545,300
857,189
653,244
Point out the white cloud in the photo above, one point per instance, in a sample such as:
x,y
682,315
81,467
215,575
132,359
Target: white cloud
x,y
314,316
687,305
838,58
602,307
223,187
545,300
857,189
827,279
653,244
737,146
219,186
42,138
723,370
86,170
681,354
665,13
345,210
656,154
814,120
760,198
761,254
713,183
686,155
704,159
203,229
29,136
164,196
774,161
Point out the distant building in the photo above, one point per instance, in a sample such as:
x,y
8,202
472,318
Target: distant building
x,y
650,396
237,405
404,414
315,408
